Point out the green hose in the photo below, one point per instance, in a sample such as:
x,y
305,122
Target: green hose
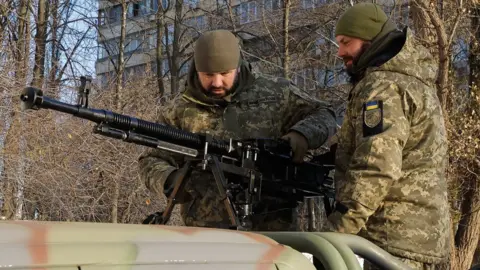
x,y
319,247
348,256
367,250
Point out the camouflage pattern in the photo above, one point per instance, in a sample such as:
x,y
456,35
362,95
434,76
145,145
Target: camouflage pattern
x,y
391,159
78,245
410,263
262,108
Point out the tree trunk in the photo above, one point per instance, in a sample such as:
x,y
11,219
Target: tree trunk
x,y
40,44
52,82
5,10
13,177
427,9
22,41
467,236
174,60
118,97
286,37
160,23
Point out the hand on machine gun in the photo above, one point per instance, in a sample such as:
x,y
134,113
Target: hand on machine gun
x,y
299,145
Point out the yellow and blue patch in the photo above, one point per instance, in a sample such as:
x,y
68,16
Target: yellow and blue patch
x,y
372,118
371,105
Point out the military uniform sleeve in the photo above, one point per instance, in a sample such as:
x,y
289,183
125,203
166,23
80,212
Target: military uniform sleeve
x,y
381,126
156,165
312,118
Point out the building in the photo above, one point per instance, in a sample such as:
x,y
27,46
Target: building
x,y
311,61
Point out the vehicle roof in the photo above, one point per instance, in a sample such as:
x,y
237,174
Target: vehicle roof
x,y
81,245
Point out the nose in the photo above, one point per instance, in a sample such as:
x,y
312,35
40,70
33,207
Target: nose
x,y
341,51
217,81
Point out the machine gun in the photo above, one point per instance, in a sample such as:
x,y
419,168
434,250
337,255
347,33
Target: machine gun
x,y
252,166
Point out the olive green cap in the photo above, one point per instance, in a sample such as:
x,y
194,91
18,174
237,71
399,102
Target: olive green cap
x,y
217,51
366,21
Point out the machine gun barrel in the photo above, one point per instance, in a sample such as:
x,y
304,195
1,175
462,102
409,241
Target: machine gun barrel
x,y
33,98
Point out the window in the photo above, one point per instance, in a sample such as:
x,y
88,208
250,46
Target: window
x,y
273,4
114,14
152,39
313,3
192,3
102,53
164,3
246,11
110,47
102,17
198,22
136,9
165,66
102,78
132,44
167,38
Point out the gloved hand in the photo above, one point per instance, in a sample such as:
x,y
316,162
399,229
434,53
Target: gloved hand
x,y
182,195
299,145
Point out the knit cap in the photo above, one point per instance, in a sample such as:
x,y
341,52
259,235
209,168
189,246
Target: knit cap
x,y
366,21
216,51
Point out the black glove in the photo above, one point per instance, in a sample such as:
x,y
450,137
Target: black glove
x,y
299,145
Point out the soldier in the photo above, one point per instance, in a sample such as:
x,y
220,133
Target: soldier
x,y
223,96
392,147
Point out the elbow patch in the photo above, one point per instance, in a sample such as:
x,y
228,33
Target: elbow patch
x,y
372,118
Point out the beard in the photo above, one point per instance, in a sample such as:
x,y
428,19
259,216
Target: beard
x,y
354,59
210,91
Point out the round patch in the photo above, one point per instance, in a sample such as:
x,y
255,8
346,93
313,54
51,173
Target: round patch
x,y
372,117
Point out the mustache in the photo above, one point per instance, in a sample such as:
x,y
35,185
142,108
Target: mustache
x,y
211,89
348,58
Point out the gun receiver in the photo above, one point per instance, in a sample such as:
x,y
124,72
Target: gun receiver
x,y
263,166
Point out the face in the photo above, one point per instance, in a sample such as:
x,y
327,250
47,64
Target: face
x,y
350,49
218,84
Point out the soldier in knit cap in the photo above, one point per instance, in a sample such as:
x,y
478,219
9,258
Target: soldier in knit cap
x,y
224,97
392,147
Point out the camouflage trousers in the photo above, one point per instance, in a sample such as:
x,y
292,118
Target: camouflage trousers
x,y
412,264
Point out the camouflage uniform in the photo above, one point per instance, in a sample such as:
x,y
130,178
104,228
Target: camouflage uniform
x,y
258,107
391,157
410,263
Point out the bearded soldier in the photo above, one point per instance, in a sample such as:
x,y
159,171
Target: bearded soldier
x,y
392,147
224,97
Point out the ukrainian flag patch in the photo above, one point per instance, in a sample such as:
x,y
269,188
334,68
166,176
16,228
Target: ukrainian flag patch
x,y
372,118
371,105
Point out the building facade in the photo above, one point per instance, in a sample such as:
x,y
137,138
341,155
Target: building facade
x,y
309,56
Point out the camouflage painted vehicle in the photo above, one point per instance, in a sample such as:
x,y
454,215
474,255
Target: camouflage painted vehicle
x,y
61,245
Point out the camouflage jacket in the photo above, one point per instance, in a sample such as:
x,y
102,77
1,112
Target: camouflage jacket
x,y
391,158
259,107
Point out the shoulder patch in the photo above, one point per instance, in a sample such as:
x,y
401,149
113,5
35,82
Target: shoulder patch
x,y
372,118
